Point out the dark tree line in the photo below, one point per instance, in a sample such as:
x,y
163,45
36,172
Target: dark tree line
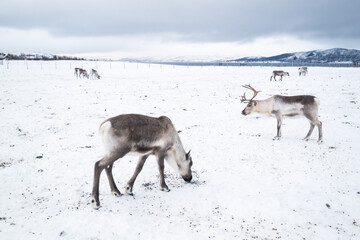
x,y
23,56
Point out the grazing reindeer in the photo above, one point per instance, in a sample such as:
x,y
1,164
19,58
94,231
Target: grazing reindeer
x,y
286,106
79,72
303,71
83,73
94,74
143,135
279,73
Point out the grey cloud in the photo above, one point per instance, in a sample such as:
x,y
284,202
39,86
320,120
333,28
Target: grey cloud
x,y
202,20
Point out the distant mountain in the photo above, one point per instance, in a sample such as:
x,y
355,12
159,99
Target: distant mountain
x,y
172,59
35,56
316,56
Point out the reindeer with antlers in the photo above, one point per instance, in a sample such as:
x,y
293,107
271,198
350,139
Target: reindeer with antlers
x,y
285,106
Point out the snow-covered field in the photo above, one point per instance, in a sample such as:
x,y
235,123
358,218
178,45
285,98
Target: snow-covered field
x,y
245,185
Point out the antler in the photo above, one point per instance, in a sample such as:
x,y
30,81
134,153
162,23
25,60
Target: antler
x,y
243,98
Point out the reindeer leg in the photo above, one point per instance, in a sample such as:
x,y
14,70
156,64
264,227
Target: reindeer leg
x,y
279,122
163,185
114,190
130,183
98,168
319,125
312,125
314,121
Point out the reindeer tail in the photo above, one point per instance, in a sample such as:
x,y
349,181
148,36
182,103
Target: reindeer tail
x,y
317,100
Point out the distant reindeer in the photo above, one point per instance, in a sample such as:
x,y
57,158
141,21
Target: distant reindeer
x,y
285,106
79,72
303,71
143,135
279,73
94,74
84,73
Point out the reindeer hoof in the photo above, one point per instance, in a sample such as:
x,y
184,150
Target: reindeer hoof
x,y
116,194
128,191
276,138
94,204
165,189
320,141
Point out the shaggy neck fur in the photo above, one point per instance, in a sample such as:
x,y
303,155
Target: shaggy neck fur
x,y
176,155
264,106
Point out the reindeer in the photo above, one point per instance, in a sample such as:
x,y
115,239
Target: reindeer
x,y
143,135
302,71
285,106
79,72
279,73
94,74
84,73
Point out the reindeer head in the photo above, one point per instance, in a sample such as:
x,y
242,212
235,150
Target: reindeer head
x,y
180,162
186,167
251,103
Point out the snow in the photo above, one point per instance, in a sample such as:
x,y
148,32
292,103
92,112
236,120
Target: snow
x,y
330,55
245,185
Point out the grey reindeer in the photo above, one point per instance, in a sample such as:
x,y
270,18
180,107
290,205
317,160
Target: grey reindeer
x,y
279,73
79,72
285,106
143,135
94,74
303,71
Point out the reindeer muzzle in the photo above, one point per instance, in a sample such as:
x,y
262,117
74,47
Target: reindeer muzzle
x,y
187,178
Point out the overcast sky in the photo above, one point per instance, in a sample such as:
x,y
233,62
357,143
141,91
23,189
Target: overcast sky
x,y
169,28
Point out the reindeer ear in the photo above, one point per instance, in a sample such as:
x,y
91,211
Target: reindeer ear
x,y
255,103
188,155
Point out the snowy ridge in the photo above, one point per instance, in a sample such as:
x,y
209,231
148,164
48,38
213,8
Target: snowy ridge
x,y
315,56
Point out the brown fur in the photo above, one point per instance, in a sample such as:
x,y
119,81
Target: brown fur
x,y
302,99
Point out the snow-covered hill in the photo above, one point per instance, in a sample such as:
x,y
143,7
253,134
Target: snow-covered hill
x,y
317,56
